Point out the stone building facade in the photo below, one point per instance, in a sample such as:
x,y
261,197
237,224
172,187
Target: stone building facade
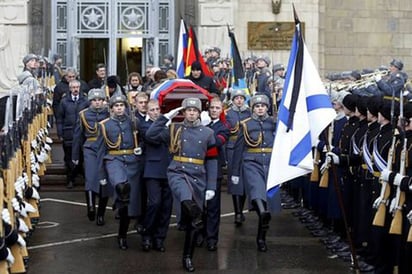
x,y
340,34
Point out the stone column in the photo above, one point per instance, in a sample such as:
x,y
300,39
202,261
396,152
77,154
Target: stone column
x,y
13,41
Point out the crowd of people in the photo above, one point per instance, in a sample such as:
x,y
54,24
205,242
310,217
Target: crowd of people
x,y
149,162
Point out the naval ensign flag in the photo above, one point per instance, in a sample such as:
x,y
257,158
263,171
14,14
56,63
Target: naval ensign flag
x,y
305,110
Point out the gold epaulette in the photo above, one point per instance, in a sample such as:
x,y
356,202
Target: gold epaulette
x,y
244,121
104,121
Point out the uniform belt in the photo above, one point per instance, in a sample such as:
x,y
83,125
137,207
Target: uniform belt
x,y
91,139
390,98
121,152
364,166
377,174
259,150
233,138
188,160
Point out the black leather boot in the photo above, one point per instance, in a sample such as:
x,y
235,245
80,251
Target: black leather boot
x,y
123,227
189,248
101,209
238,202
264,219
91,205
193,212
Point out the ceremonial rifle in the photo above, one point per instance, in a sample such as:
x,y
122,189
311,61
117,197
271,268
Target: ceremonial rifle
x,y
379,219
396,224
324,180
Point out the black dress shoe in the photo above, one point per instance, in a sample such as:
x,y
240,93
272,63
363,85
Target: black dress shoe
x,y
91,214
261,246
146,244
199,240
187,264
122,243
239,219
159,246
211,247
100,220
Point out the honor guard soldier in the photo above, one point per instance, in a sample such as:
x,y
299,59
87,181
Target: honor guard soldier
x,y
28,76
404,183
253,150
340,156
159,197
211,215
238,111
192,174
85,134
66,117
394,82
119,157
399,178
262,74
384,142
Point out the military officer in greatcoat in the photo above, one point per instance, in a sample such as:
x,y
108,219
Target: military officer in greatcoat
x,y
120,158
85,134
238,111
192,174
251,158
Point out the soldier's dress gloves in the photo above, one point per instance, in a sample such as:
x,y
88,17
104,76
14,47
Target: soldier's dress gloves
x,y
205,118
333,158
409,216
171,114
385,175
103,182
398,179
235,180
10,257
209,195
75,162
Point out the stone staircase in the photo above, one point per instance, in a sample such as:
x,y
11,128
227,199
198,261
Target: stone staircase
x,y
55,175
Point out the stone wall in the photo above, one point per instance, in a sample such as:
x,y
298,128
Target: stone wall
x,y
366,34
14,39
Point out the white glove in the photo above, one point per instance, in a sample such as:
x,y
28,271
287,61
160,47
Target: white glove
x,y
171,114
385,175
47,147
103,182
409,216
205,118
398,179
34,143
5,214
22,226
75,162
324,166
378,77
10,257
16,205
28,207
393,205
35,180
235,180
333,158
209,195
35,194
377,202
49,140
21,241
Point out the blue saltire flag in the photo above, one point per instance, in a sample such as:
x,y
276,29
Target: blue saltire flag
x,y
305,110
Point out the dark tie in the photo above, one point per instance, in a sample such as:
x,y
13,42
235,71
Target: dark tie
x,y
75,98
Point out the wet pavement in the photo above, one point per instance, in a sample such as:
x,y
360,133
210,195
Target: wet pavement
x,y
65,241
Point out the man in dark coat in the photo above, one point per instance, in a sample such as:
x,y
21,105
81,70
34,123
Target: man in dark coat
x,y
198,77
66,117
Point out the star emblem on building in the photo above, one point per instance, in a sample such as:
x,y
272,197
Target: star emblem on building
x,y
133,18
92,17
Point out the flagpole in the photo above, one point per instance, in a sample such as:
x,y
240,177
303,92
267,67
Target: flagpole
x,y
354,262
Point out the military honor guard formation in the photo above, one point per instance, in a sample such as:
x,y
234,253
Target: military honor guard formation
x,y
144,154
